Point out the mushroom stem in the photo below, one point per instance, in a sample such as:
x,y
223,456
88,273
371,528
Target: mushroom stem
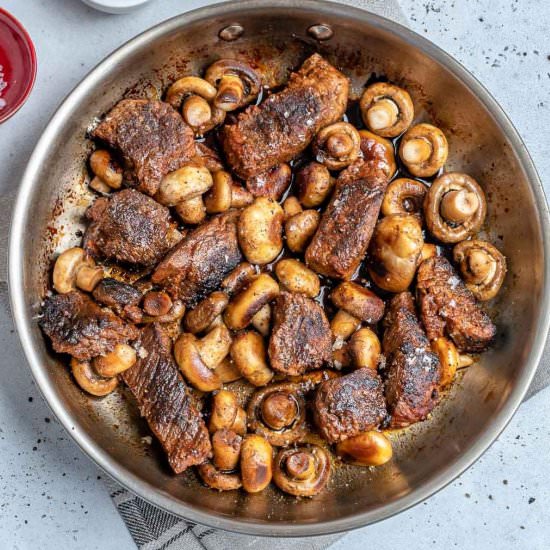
x,y
459,205
481,266
300,465
230,93
383,114
196,111
339,145
416,150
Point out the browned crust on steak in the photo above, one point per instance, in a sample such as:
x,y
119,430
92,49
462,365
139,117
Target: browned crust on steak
x,y
285,123
165,402
447,305
152,137
129,227
78,326
301,338
346,226
121,297
349,405
198,264
413,371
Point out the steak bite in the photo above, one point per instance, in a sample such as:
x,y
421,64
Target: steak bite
x,y
152,137
301,338
129,227
413,372
78,326
349,405
122,298
447,305
285,123
346,226
166,403
199,263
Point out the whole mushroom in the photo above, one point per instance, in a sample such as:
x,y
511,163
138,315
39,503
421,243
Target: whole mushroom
x,y
380,150
337,145
455,207
386,109
278,413
424,150
303,471
482,266
237,83
404,196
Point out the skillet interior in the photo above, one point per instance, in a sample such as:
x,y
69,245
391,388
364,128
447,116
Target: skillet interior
x,y
482,143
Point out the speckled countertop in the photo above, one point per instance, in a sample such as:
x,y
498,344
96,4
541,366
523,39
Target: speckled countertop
x,y
52,496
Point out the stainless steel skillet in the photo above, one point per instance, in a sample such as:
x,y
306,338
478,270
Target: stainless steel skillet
x,y
53,196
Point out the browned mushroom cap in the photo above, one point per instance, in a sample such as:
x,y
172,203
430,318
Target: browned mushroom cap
x,y
404,196
237,83
226,448
337,145
379,149
423,150
395,250
313,183
303,471
175,313
387,110
221,481
278,413
366,449
483,267
454,207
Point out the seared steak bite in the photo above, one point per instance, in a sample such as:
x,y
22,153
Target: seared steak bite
x,y
165,402
129,227
78,326
447,306
121,297
285,123
346,226
152,137
349,405
198,264
413,372
301,338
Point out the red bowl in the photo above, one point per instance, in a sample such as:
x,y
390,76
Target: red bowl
x,y
17,65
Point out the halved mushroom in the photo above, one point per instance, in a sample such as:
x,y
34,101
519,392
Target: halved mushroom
x,y
74,268
202,316
364,349
106,169
120,359
343,325
303,471
386,109
249,353
228,371
278,413
482,266
192,365
226,448
395,251
380,150
256,463
314,184
191,211
226,413
222,481
423,150
90,381
454,207
236,82
219,197
176,312
404,196
337,145
366,449
196,94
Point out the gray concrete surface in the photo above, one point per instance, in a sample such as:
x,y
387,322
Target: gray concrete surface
x,y
51,495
